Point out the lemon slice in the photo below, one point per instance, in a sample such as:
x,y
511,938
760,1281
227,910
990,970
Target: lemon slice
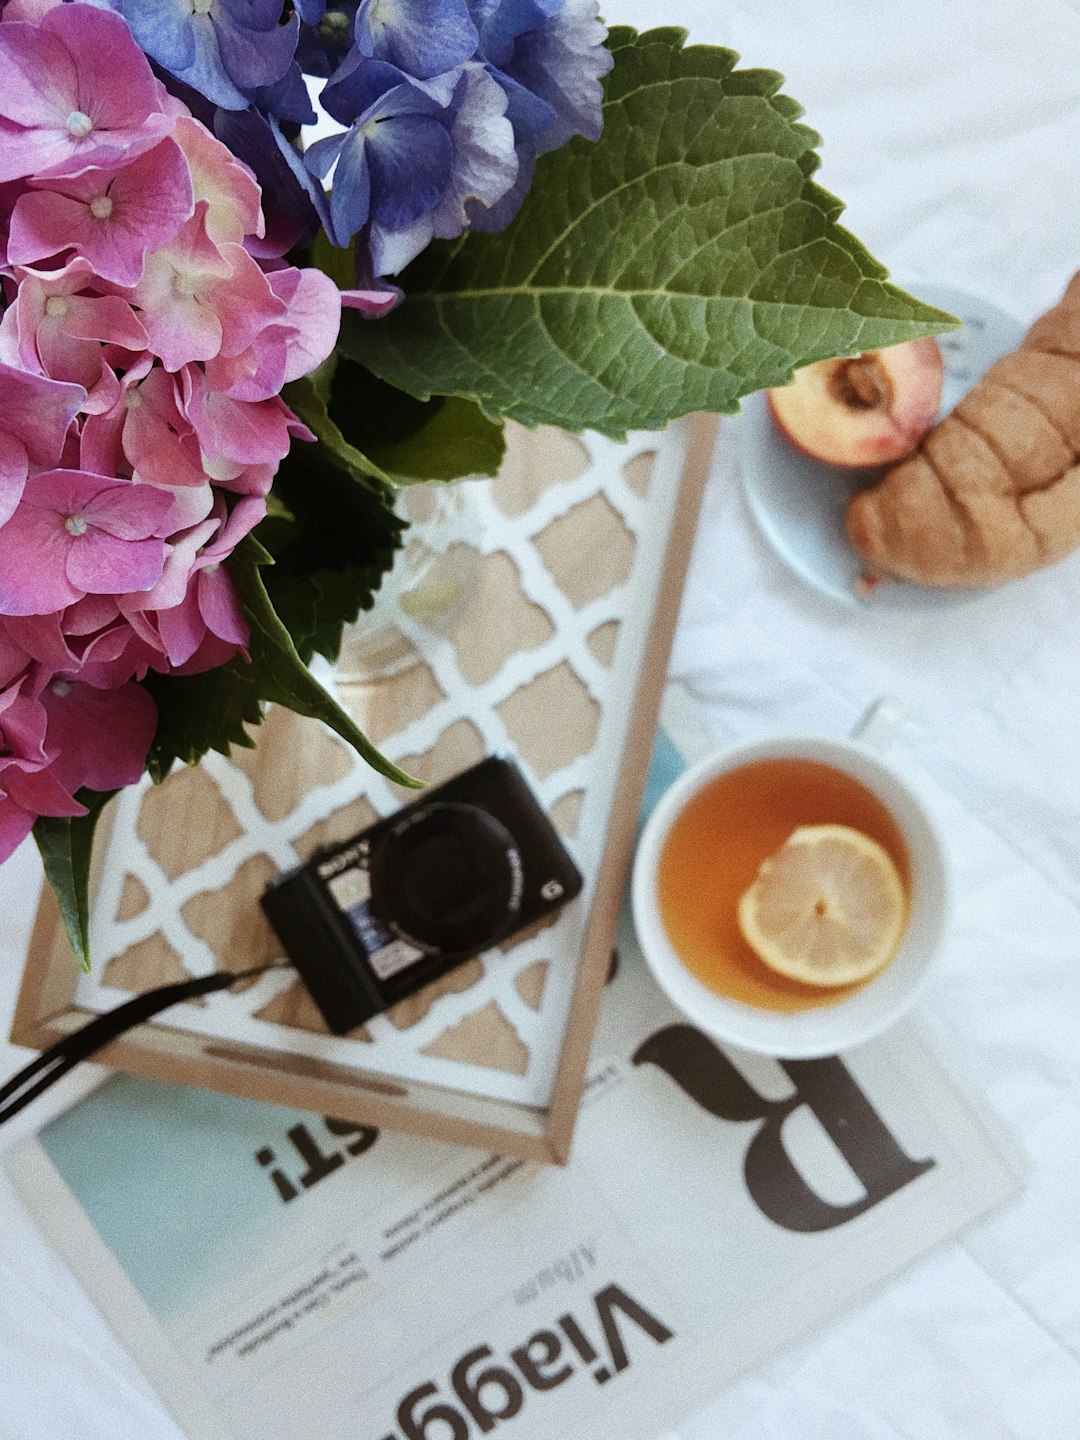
x,y
829,908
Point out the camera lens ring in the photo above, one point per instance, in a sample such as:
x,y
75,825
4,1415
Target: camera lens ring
x,y
447,878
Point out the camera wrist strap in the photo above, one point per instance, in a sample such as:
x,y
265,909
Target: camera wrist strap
x,y
45,1069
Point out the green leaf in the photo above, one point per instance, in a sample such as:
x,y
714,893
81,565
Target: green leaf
x,y
380,435
339,264
283,676
306,399
412,440
455,441
342,541
683,261
197,713
65,843
314,606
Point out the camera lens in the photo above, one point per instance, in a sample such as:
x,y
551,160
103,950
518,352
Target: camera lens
x,y
448,878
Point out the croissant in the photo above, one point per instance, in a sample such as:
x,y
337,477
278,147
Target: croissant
x,y
993,490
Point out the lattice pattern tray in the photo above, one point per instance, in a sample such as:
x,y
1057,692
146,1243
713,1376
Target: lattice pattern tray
x,y
557,657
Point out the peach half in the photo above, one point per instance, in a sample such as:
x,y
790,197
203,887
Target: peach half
x,y
870,410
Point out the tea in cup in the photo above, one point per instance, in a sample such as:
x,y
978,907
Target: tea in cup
x,y
712,845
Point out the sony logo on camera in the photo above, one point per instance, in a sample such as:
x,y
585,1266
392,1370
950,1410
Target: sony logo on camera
x,y
355,854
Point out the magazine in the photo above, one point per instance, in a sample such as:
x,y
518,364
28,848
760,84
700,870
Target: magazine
x,y
277,1273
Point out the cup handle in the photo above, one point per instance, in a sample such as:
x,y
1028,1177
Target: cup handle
x,y
879,725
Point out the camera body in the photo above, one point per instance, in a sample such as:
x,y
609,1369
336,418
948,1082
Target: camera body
x,y
374,918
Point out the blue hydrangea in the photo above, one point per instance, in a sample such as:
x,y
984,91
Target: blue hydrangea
x,y
549,56
424,38
225,49
287,99
327,39
393,161
411,157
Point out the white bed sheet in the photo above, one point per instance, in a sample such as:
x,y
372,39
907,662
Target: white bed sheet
x,y
952,130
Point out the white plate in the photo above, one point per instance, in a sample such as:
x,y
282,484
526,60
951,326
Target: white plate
x,y
799,503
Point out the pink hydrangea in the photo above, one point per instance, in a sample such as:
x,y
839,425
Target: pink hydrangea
x,y
27,790
143,348
110,218
75,534
77,92
64,736
57,325
35,416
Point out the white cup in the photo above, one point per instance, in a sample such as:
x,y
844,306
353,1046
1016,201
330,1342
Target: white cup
x,y
856,1015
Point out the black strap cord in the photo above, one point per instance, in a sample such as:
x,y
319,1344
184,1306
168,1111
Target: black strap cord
x,y
45,1069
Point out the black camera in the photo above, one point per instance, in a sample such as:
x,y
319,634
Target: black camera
x,y
373,919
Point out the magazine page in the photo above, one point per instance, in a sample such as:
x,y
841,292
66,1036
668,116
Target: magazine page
x,y
278,1273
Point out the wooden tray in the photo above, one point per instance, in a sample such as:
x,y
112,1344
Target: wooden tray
x,y
558,655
